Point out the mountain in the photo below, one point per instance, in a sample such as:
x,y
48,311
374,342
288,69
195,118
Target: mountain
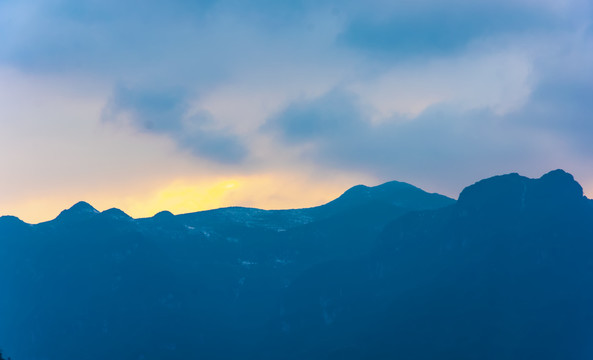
x,y
505,273
79,211
386,272
173,286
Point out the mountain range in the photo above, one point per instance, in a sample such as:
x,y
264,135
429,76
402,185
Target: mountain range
x,y
385,272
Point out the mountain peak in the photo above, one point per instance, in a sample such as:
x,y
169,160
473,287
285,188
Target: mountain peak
x,y
11,226
83,206
115,213
362,191
558,173
395,193
79,211
515,192
9,220
165,214
561,180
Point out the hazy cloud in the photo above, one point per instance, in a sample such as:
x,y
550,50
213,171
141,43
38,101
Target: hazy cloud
x,y
420,29
444,140
165,111
335,115
401,90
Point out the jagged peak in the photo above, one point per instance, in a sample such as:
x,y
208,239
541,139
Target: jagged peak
x,y
513,191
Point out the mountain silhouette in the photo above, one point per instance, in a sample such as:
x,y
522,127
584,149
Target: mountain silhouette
x,y
505,273
116,214
516,193
78,212
381,272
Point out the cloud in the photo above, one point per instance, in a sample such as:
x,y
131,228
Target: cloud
x,y
165,111
428,28
333,115
430,92
500,79
441,148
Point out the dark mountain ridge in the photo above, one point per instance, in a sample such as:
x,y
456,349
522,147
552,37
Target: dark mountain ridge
x,y
506,272
518,193
397,193
199,272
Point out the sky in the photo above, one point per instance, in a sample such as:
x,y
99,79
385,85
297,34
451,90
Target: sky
x,y
191,105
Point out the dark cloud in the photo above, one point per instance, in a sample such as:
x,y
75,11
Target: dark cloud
x,y
334,115
164,111
459,146
177,51
415,29
205,39
118,37
564,108
159,110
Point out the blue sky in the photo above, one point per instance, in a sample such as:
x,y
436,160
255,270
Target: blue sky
x,y
188,105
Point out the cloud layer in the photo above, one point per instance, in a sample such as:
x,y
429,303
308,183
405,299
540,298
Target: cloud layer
x,y
435,93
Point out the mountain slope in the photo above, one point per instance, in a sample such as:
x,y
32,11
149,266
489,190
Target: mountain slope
x,y
506,273
389,272
169,286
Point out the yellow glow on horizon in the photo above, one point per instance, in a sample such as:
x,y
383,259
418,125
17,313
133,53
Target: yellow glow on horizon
x,y
261,191
183,196
191,194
